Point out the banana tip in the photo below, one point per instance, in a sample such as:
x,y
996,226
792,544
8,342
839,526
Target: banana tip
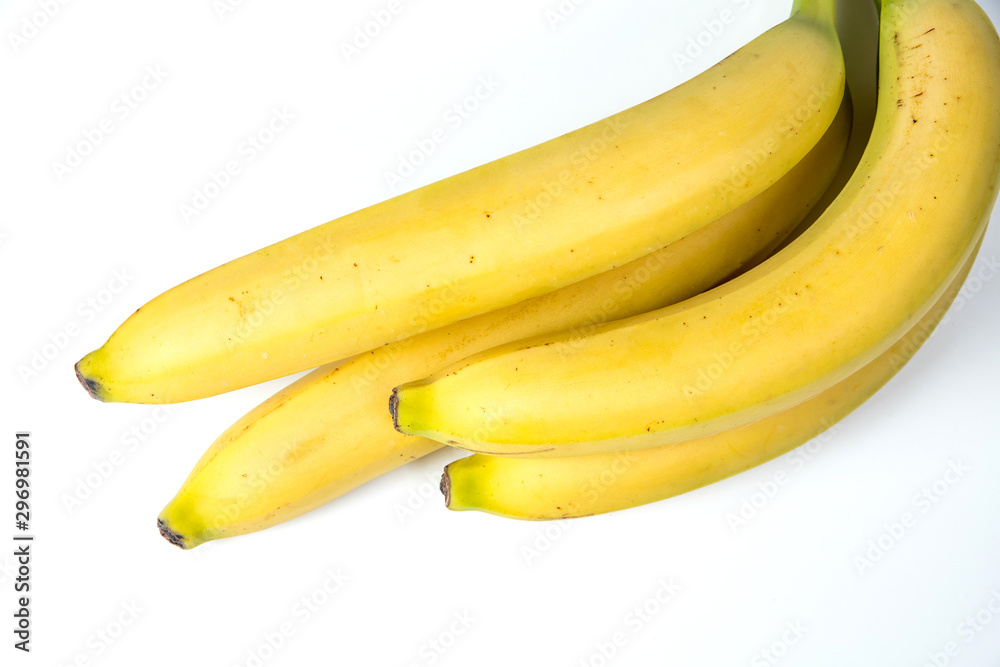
x,y
445,487
170,536
93,387
394,409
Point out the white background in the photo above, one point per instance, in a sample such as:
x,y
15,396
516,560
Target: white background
x,y
531,593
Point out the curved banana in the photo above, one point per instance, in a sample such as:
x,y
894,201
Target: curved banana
x,y
560,488
512,229
814,313
329,432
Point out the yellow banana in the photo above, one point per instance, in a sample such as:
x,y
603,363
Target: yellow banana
x,y
510,230
560,488
816,312
329,432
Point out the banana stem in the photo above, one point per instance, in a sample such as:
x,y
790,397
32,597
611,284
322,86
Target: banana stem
x,y
824,11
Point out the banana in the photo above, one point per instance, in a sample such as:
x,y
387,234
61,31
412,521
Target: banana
x,y
816,312
560,488
329,432
545,217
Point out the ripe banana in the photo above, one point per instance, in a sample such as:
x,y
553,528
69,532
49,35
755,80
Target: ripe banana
x,y
559,488
329,432
816,312
512,229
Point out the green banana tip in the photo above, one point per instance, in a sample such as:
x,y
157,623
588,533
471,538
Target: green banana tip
x,y
92,386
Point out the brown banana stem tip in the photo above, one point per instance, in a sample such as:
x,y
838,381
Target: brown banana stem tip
x,y
446,487
169,535
93,387
394,409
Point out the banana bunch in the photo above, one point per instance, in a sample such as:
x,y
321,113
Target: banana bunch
x,y
330,431
679,309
